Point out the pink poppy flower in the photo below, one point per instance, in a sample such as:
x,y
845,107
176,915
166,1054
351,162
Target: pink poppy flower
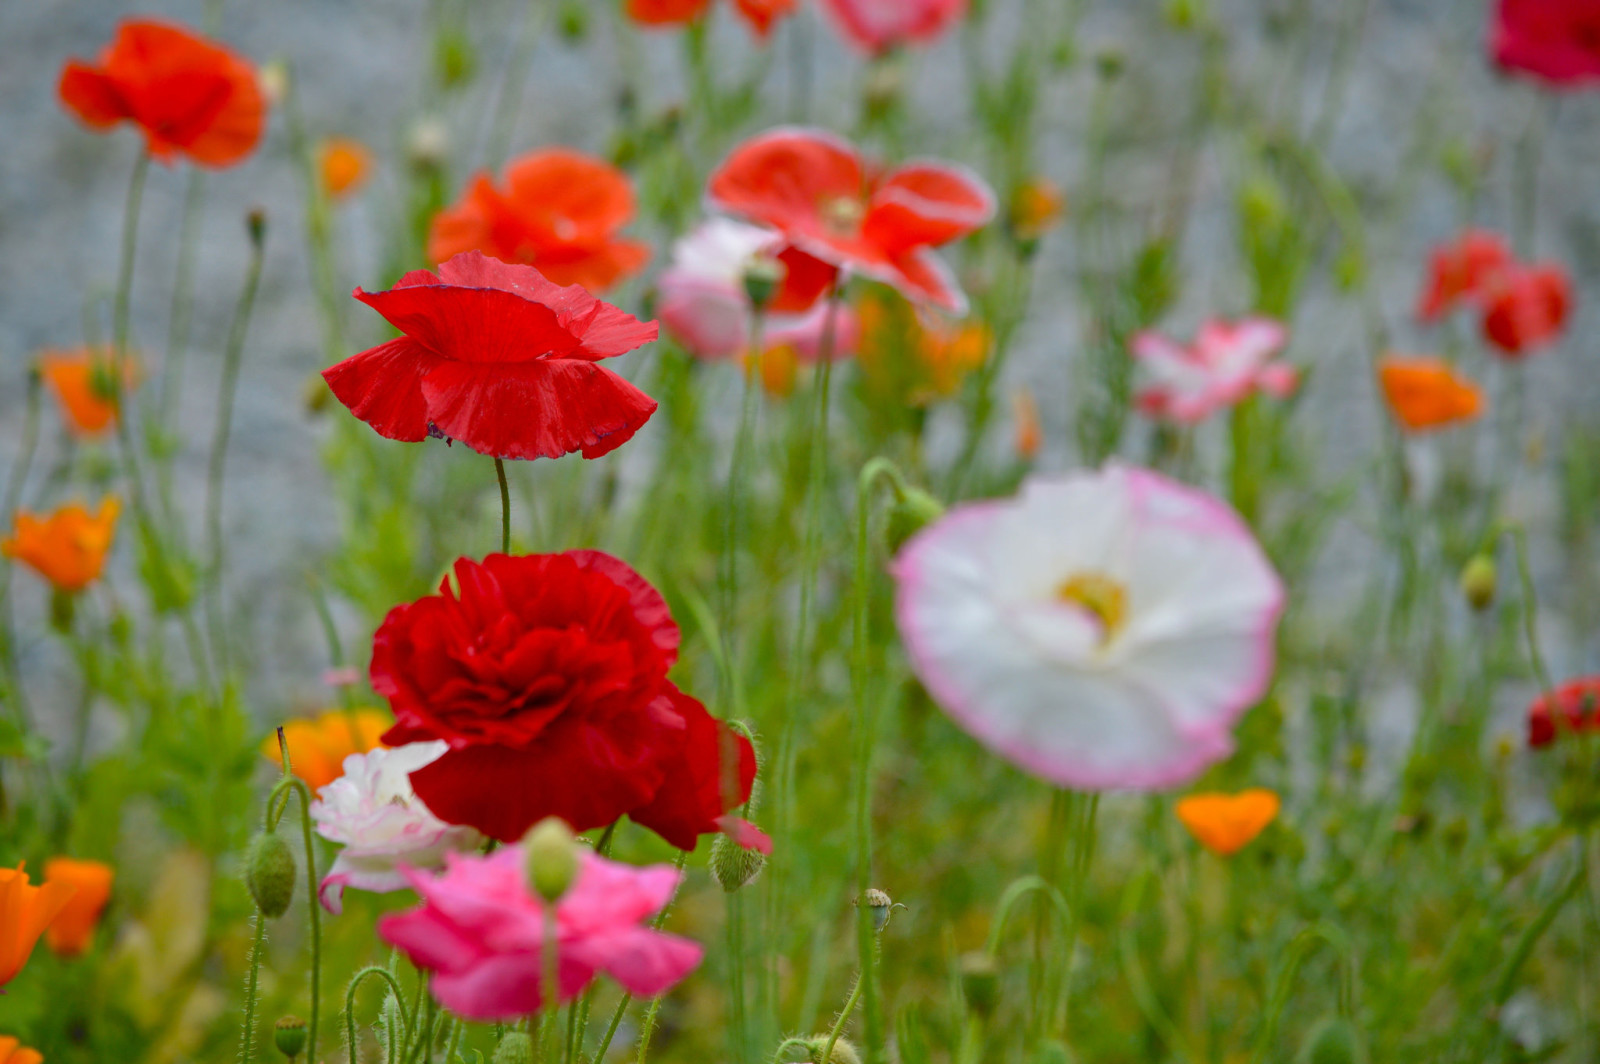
x,y
830,203
1557,41
481,931
879,25
375,815
1525,307
1100,630
1226,362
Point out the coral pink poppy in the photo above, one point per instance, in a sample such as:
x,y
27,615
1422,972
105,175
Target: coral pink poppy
x,y
1576,707
188,95
879,25
1459,271
1227,362
500,358
1100,630
482,931
1526,308
1557,41
560,210
830,203
547,676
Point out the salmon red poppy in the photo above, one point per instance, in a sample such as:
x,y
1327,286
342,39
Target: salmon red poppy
x,y
835,206
879,25
559,210
762,15
1525,308
497,357
1460,270
1555,40
189,95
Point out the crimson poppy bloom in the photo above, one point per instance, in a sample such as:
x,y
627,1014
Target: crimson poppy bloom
x,y
188,94
1460,271
500,358
1526,307
760,14
880,25
560,211
1576,703
1557,41
547,675
832,205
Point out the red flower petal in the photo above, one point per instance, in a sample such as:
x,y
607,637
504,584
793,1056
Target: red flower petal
x,y
383,387
787,177
712,774
922,276
666,12
91,95
927,203
745,834
806,279
480,325
649,608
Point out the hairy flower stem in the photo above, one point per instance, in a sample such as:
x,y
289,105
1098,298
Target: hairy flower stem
x,y
627,999
396,996
248,1032
505,506
738,475
849,1002
275,809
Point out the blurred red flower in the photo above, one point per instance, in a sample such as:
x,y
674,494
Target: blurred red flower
x,y
1526,307
547,675
832,205
188,94
1577,703
500,358
879,25
560,211
1459,271
760,14
1556,40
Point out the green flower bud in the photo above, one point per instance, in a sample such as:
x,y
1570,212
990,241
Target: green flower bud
x,y
269,872
911,512
761,280
289,1035
255,224
1478,580
843,1051
732,866
980,981
574,20
516,1047
1332,1041
552,857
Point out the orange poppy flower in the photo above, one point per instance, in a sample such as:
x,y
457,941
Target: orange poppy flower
x,y
319,745
1036,208
70,933
83,382
1425,393
915,357
343,165
14,1052
559,212
69,547
188,94
1225,823
25,911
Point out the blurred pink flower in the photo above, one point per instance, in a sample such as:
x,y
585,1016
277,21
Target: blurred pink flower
x,y
1557,41
1100,630
481,931
1226,362
373,813
879,25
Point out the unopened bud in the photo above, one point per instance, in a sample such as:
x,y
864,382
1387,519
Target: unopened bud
x,y
843,1052
885,82
732,866
552,857
316,394
761,278
269,873
881,906
1332,1041
980,981
516,1047
256,223
913,510
1108,63
289,1035
1478,580
273,77
573,21
428,144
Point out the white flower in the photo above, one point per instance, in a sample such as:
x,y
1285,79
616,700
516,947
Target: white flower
x,y
373,813
1101,629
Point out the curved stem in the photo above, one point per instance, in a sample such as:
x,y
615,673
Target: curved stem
x,y
849,1007
505,506
350,1002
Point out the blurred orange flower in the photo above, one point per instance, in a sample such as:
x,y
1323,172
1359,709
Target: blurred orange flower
x,y
915,357
1225,823
1029,435
343,165
1425,393
14,1052
319,745
1036,207
70,933
779,368
84,382
69,547
559,212
25,911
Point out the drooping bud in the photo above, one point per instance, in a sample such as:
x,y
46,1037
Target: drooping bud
x,y
980,981
1332,1041
516,1047
913,509
269,872
881,906
1478,581
843,1051
732,866
289,1035
762,276
552,857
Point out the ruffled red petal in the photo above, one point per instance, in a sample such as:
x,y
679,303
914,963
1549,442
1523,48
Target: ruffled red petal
x,y
927,203
806,279
787,177
471,325
712,774
922,276
649,608
383,387
91,95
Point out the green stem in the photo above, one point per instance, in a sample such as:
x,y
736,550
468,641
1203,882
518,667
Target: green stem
x,y
16,694
1530,937
350,1003
505,506
247,1036
849,1003
291,784
1530,617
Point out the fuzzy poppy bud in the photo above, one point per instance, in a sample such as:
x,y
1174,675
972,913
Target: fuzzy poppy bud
x,y
913,509
270,873
1478,580
573,21
256,224
881,906
732,866
843,1052
516,1047
980,981
552,857
1332,1041
289,1035
761,279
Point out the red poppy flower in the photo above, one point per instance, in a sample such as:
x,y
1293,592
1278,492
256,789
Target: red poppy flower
x,y
1577,702
879,25
1526,307
547,675
760,14
831,204
188,94
1460,271
498,357
560,211
1556,40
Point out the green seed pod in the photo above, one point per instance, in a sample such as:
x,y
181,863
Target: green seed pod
x,y
269,872
1332,1041
289,1035
761,280
912,511
843,1051
552,857
1478,580
980,981
516,1047
732,866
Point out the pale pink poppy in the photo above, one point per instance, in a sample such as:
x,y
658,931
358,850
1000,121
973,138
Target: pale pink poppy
x,y
1225,364
1100,630
481,931
373,813
879,25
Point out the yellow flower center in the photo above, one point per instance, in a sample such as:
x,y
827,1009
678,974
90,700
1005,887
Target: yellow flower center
x,y
1101,596
843,215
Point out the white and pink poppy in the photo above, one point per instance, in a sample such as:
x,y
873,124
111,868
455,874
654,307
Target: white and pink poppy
x,y
373,813
876,26
1226,363
1101,630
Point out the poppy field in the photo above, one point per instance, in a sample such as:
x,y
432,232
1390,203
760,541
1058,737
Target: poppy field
x,y
778,531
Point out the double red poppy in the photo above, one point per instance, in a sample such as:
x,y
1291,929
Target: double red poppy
x,y
497,357
839,211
